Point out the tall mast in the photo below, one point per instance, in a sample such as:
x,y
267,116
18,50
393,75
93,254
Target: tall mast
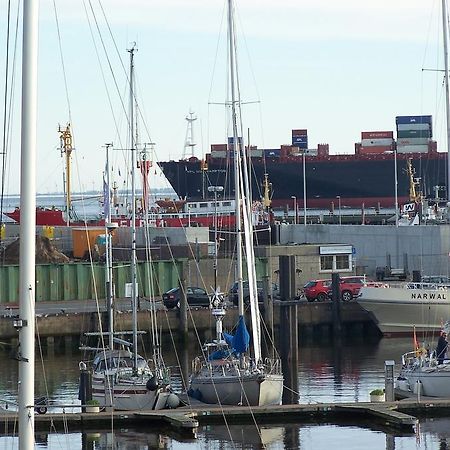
x,y
242,194
109,229
446,78
133,211
25,323
236,152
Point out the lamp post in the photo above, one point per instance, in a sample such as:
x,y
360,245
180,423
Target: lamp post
x,y
295,208
304,189
396,186
339,206
215,189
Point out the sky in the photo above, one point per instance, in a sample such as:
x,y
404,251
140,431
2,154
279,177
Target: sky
x,y
333,68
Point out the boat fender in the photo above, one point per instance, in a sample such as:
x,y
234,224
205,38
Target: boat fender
x,y
40,405
152,384
172,401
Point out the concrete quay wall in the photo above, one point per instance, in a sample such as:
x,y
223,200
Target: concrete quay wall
x,y
75,324
427,246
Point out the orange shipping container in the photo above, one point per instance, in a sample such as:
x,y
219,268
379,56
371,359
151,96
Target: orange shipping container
x,y
83,240
218,147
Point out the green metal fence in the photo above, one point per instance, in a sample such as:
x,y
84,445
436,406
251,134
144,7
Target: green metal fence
x,y
83,281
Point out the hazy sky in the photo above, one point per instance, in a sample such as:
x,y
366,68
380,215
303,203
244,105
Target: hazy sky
x,y
334,68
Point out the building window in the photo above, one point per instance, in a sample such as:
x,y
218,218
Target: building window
x,y
343,262
336,263
326,263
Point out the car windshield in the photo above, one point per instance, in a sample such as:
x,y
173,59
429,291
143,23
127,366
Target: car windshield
x,y
309,284
172,291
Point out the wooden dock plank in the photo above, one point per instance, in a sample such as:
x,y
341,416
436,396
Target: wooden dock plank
x,y
401,415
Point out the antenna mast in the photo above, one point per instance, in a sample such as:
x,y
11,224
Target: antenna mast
x,y
189,142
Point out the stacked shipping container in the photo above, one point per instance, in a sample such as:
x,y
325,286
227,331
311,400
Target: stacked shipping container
x,y
375,142
414,133
300,139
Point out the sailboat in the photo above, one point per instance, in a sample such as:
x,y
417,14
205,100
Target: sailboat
x,y
228,373
121,378
425,372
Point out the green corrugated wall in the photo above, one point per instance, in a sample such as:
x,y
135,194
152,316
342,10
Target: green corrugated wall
x,y
82,281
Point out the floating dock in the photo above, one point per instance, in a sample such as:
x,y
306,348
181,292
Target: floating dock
x,y
399,415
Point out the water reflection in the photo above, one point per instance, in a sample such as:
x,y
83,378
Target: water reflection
x,y
433,435
327,371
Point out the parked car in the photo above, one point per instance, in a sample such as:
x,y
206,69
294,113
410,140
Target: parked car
x,y
195,297
349,288
234,298
317,290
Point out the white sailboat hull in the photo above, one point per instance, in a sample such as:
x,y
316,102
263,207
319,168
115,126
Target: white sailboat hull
x,y
130,396
253,389
429,381
397,309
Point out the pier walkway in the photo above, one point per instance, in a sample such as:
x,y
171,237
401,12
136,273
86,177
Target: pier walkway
x,y
401,416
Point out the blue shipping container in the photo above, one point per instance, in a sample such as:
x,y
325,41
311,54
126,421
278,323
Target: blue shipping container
x,y
231,140
413,119
300,141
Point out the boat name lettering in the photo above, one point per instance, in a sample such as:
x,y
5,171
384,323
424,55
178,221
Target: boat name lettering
x,y
426,296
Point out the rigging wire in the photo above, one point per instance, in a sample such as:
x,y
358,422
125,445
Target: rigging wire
x,y
5,105
8,108
61,56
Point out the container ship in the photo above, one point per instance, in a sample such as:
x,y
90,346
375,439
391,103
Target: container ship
x,y
365,178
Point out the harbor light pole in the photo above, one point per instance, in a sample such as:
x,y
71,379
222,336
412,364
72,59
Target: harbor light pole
x,y
339,206
304,188
295,208
396,186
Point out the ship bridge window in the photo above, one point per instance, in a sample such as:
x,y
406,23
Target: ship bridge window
x,y
203,205
226,204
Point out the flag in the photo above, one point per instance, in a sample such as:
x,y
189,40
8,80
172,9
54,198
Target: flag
x,y
415,341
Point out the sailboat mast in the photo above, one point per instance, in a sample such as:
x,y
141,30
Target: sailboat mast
x,y
237,174
446,78
133,211
243,197
25,323
109,275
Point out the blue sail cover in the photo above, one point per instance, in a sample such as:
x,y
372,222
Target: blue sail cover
x,y
238,343
241,338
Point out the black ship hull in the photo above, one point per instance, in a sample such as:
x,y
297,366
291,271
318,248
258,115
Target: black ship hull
x,y
357,181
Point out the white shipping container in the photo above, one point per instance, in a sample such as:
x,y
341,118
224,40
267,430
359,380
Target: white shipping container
x,y
412,148
413,126
376,142
256,153
413,141
219,154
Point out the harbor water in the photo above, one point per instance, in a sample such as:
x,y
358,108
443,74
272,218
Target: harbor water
x,y
328,371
